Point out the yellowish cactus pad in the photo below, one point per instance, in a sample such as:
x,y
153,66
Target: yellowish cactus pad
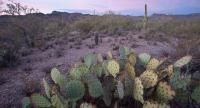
x,y
164,92
149,78
113,67
130,70
87,105
153,64
138,90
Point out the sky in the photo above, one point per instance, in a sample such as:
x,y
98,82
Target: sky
x,y
124,7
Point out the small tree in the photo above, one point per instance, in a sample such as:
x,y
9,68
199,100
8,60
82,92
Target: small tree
x,y
14,8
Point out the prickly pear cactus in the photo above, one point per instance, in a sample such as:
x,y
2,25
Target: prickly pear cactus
x,y
196,94
110,56
108,88
123,52
183,61
78,71
138,90
56,102
26,102
164,92
40,101
87,105
163,105
120,89
98,70
128,86
179,81
181,96
113,67
90,59
148,104
47,88
75,90
94,85
153,64
99,58
144,59
57,77
130,70
149,78
132,58
170,70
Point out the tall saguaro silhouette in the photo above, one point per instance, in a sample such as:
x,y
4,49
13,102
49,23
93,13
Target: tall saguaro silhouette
x,y
145,18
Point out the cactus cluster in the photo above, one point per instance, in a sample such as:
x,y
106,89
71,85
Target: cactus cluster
x,y
113,80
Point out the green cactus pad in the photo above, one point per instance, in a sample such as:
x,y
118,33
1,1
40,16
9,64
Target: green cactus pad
x,y
144,58
123,51
105,67
138,90
90,59
78,71
181,96
98,70
183,61
87,105
120,89
164,92
40,101
57,77
75,90
113,67
128,86
122,63
130,70
56,102
132,58
179,81
94,85
153,64
26,102
108,88
149,78
196,94
46,87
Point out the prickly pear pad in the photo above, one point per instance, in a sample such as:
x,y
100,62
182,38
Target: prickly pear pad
x,y
113,67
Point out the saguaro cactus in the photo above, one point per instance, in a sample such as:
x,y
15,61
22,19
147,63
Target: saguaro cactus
x,y
145,18
96,38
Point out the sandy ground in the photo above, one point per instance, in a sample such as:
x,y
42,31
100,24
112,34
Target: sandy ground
x,y
61,53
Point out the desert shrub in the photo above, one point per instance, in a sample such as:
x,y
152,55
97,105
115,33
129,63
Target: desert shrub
x,y
187,46
182,28
109,23
33,27
141,81
11,41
